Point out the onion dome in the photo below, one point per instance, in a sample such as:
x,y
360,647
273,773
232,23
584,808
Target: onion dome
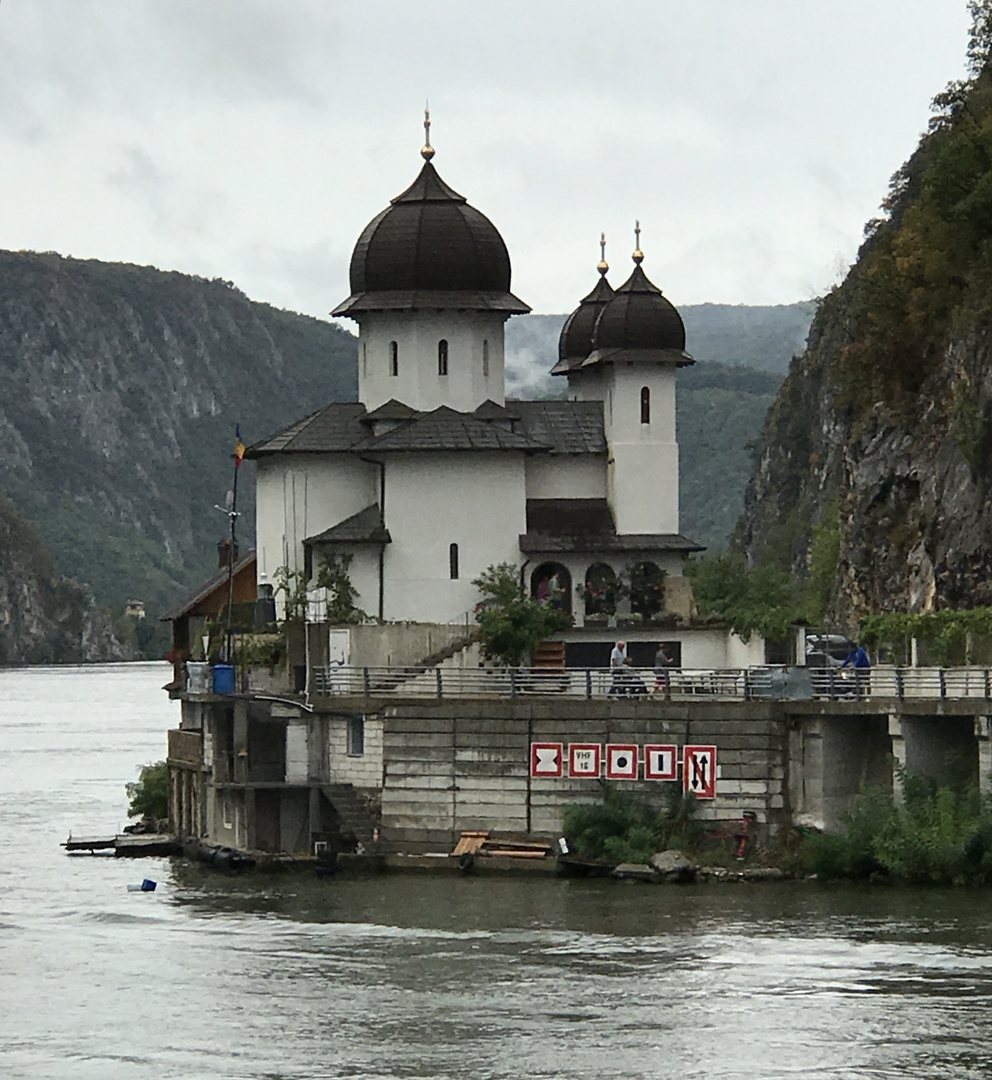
x,y
430,249
575,341
638,316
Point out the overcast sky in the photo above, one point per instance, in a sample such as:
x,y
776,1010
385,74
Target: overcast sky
x,y
253,139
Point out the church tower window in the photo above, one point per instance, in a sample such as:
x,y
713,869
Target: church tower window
x,y
365,360
453,561
442,357
485,359
394,358
645,405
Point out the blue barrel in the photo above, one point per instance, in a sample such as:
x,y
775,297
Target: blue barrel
x,y
223,679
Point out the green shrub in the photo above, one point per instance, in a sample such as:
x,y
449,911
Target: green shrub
x,y
625,828
940,835
149,794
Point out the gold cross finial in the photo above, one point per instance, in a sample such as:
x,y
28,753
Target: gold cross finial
x,y
638,255
428,151
603,264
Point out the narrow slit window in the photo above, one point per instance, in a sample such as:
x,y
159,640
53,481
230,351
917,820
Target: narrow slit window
x,y
485,359
453,561
365,360
356,736
442,357
394,358
645,405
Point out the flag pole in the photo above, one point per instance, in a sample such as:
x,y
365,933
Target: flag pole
x,y
232,514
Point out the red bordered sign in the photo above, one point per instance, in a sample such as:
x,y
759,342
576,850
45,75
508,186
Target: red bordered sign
x,y
621,761
661,761
546,759
584,760
699,771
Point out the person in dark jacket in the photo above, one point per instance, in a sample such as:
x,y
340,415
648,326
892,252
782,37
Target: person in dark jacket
x,y
859,659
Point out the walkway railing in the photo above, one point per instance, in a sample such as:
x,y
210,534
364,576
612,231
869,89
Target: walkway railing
x,y
774,683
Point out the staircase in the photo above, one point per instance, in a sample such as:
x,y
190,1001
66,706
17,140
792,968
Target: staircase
x,y
352,811
549,656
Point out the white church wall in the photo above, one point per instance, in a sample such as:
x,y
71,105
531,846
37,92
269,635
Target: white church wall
x,y
643,475
433,500
566,476
301,496
475,359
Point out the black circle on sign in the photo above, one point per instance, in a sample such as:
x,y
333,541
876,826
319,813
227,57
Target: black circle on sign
x,y
622,762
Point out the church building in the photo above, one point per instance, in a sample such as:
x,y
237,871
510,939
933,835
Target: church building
x,y
433,475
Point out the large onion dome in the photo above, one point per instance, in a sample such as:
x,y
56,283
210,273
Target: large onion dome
x,y
430,249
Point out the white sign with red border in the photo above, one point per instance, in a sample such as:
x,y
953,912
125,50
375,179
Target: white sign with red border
x,y
584,760
546,759
661,761
621,761
699,771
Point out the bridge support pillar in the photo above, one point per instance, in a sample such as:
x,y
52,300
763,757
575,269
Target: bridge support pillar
x,y
898,755
983,734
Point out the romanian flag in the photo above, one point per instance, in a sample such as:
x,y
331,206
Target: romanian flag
x,y
239,447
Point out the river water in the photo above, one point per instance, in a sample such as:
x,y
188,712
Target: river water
x,y
279,976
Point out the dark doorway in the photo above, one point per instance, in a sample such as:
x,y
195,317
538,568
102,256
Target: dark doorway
x,y
551,583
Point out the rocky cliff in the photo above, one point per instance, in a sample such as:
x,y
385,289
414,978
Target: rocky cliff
x,y
120,389
45,618
882,431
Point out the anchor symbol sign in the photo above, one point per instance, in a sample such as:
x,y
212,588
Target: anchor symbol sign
x,y
699,771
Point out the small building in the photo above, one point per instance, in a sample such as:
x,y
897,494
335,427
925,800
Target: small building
x,y
134,609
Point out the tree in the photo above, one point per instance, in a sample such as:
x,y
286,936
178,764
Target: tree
x,y
341,594
763,598
511,623
149,794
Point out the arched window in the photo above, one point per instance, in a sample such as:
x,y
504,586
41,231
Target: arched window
x,y
453,561
601,591
485,359
442,357
394,358
365,359
645,405
551,585
647,589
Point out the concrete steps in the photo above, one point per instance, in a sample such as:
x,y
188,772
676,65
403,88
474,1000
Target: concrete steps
x,y
352,811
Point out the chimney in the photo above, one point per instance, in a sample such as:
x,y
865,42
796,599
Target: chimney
x,y
224,559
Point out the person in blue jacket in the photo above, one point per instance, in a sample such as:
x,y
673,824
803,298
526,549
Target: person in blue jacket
x,y
859,659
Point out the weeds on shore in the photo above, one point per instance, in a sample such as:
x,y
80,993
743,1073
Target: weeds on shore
x,y
625,828
938,835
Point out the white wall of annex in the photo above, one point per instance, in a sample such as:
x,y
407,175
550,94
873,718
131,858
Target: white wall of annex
x,y
473,499
475,344
300,495
566,476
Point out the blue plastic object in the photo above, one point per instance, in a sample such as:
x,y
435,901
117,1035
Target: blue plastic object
x,y
223,679
148,885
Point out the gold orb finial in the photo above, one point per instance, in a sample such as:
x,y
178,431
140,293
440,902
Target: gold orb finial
x,y
638,255
603,264
427,151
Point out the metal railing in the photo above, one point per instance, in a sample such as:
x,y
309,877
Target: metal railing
x,y
769,683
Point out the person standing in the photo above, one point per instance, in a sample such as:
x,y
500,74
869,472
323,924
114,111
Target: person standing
x,y
859,659
618,658
662,662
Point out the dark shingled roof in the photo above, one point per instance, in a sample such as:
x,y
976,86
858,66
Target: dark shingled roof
x,y
365,527
446,429
559,525
568,427
558,427
430,249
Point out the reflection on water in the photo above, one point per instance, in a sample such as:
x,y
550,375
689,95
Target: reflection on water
x,y
285,975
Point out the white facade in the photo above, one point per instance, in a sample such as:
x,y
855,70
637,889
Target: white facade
x,y
430,358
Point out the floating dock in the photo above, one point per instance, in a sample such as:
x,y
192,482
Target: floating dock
x,y
130,845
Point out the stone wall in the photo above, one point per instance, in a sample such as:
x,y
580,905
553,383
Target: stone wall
x,y
451,766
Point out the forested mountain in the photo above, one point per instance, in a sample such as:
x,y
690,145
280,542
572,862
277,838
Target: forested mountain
x,y
883,429
120,389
